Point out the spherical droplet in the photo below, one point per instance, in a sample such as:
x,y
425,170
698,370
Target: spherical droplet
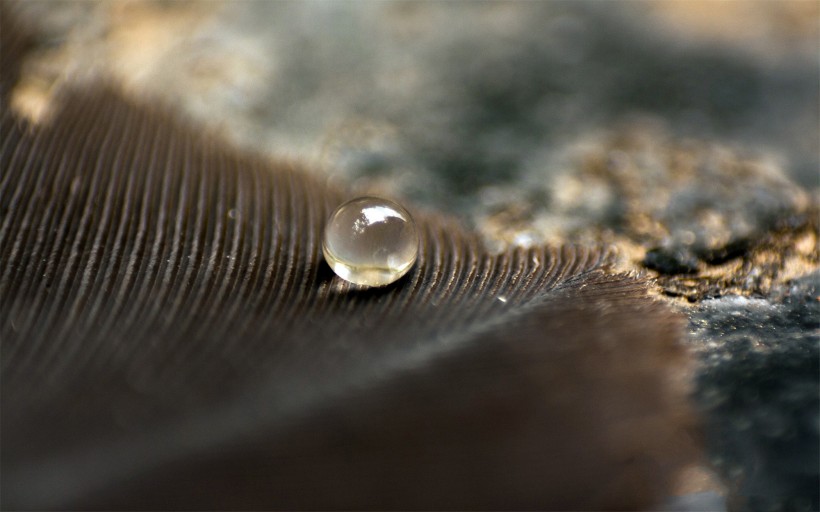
x,y
370,241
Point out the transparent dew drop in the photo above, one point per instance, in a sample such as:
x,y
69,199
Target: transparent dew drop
x,y
370,241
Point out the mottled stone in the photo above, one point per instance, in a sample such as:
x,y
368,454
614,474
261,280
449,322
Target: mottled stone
x,y
757,389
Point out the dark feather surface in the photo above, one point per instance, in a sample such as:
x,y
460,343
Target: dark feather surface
x,y
172,338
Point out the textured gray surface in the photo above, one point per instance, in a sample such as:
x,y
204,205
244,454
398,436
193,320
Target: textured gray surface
x,y
758,387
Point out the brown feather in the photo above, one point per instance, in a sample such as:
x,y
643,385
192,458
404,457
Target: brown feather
x,y
172,338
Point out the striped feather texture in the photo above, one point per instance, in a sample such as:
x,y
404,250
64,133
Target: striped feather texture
x,y
172,338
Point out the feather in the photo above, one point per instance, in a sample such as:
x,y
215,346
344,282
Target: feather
x,y
172,338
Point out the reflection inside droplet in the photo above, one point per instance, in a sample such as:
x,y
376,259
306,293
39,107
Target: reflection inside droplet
x,y
370,241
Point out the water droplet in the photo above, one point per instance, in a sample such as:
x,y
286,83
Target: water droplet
x,y
370,241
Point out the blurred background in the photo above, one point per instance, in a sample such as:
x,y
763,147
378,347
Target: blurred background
x,y
464,106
